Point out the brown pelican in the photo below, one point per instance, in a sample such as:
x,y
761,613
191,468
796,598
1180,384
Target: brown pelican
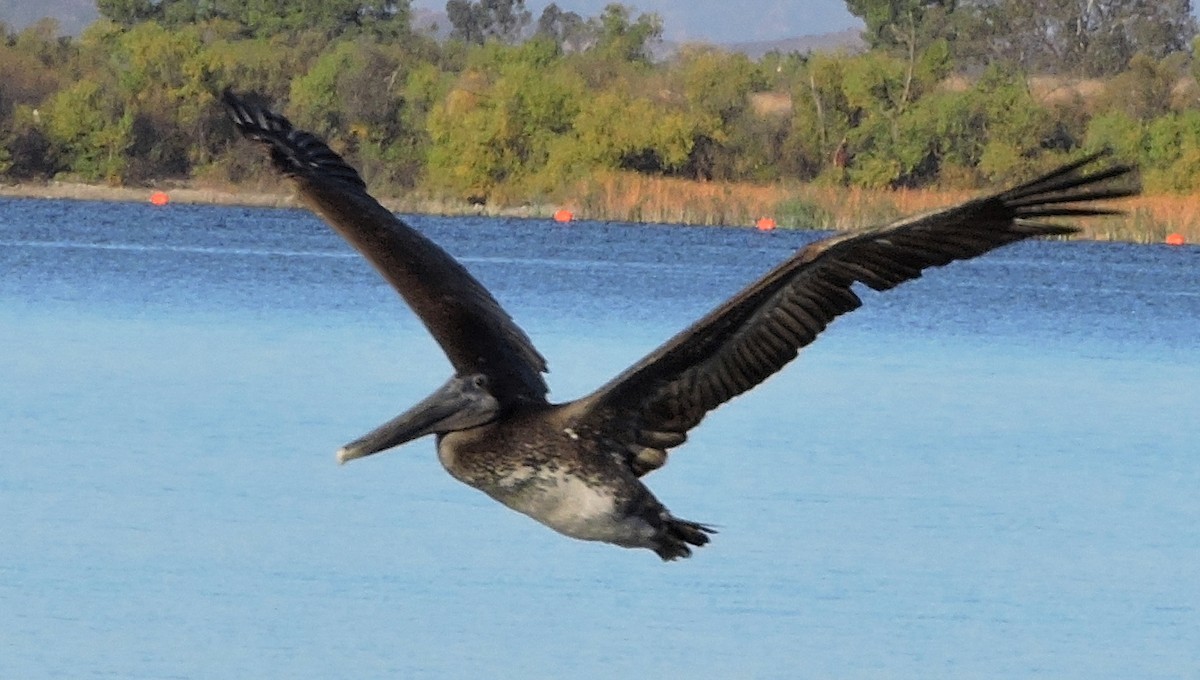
x,y
576,466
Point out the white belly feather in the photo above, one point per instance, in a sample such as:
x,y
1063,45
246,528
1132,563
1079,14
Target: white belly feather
x,y
569,505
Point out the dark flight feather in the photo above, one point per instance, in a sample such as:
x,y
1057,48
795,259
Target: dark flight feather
x,y
654,403
477,335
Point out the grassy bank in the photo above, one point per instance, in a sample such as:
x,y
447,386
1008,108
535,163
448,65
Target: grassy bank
x,y
637,198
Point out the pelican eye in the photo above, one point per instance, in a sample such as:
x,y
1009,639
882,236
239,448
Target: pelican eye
x,y
480,381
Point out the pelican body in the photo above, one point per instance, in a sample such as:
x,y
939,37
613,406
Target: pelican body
x,y
577,467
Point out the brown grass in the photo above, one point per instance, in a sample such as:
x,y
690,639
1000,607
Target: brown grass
x,y
629,197
637,198
179,194
1058,90
1151,218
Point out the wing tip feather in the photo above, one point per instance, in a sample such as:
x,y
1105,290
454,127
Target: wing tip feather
x,y
294,152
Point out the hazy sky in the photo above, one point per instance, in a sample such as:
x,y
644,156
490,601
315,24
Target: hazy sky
x,y
721,21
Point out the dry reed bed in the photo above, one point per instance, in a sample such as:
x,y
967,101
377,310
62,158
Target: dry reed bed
x,y
637,198
629,197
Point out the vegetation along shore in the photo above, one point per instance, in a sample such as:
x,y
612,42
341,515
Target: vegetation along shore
x,y
1149,219
507,113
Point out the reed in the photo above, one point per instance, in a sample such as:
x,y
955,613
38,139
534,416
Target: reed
x,y
629,197
639,198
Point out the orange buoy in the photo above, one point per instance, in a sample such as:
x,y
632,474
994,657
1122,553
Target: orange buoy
x,y
765,224
159,198
1175,239
563,215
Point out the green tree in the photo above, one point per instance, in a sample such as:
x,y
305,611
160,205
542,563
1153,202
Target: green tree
x,y
918,32
1016,130
716,86
909,25
477,22
625,38
880,93
269,17
33,66
1116,131
128,12
566,29
1171,161
821,116
619,132
1143,90
93,130
1085,37
356,93
496,128
163,80
618,48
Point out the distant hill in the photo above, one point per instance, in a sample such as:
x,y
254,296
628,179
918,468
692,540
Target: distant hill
x,y
72,15
849,40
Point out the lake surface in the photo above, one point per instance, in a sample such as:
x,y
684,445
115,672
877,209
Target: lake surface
x,y
993,472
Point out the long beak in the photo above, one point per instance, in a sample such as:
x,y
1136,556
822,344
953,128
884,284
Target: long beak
x,y
439,412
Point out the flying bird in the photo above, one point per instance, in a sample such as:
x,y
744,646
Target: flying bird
x,y
577,467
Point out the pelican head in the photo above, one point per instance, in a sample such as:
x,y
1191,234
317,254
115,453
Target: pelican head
x,y
462,403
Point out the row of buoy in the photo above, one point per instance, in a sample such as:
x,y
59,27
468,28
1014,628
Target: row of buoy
x,y
563,215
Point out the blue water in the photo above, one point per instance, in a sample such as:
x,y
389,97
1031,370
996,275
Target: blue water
x,y
993,472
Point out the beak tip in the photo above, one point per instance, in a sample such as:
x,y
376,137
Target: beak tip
x,y
345,455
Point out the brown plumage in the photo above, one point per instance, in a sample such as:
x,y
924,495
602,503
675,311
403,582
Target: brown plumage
x,y
575,466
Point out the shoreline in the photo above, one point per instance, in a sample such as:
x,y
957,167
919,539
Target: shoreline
x,y
187,195
193,195
1147,219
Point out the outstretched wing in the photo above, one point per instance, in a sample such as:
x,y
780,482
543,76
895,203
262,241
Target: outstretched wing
x,y
651,406
477,335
